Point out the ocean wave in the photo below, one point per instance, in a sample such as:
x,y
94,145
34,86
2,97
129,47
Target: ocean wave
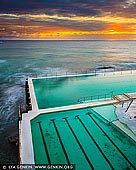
x,y
17,78
130,64
49,71
12,97
2,61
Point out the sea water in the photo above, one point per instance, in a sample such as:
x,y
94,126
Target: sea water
x,y
22,59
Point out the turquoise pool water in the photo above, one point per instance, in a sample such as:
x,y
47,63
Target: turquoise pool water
x,y
63,91
81,137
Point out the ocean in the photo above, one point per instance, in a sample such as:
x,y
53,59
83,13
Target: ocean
x,y
22,59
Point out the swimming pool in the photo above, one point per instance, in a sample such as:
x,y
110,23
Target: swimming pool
x,y
67,90
78,133
83,138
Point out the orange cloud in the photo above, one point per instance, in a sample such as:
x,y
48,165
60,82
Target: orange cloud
x,y
43,26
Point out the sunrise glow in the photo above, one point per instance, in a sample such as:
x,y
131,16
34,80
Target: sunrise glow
x,y
85,21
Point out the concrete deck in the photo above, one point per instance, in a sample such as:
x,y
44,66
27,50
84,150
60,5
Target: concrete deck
x,y
26,146
128,117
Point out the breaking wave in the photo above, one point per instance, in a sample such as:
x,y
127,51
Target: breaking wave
x,y
12,97
2,61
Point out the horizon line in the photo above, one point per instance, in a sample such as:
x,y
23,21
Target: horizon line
x,y
67,39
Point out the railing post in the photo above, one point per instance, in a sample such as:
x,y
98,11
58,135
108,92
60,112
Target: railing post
x,y
95,72
121,71
114,71
129,105
123,103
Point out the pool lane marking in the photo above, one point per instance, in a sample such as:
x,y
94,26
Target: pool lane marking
x,y
64,150
44,143
89,114
95,142
89,162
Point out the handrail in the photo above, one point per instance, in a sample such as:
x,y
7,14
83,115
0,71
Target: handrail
x,y
95,97
96,114
93,71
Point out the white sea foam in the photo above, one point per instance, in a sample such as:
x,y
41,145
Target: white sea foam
x,y
12,97
2,61
128,64
49,71
21,77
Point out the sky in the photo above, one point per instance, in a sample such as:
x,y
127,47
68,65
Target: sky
x,y
68,19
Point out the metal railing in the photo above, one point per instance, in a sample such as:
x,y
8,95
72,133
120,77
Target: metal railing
x,y
96,97
96,114
92,72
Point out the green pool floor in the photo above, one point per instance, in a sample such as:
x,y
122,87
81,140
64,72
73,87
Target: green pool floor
x,y
80,137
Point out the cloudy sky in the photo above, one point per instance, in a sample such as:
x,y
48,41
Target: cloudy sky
x,y
68,19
